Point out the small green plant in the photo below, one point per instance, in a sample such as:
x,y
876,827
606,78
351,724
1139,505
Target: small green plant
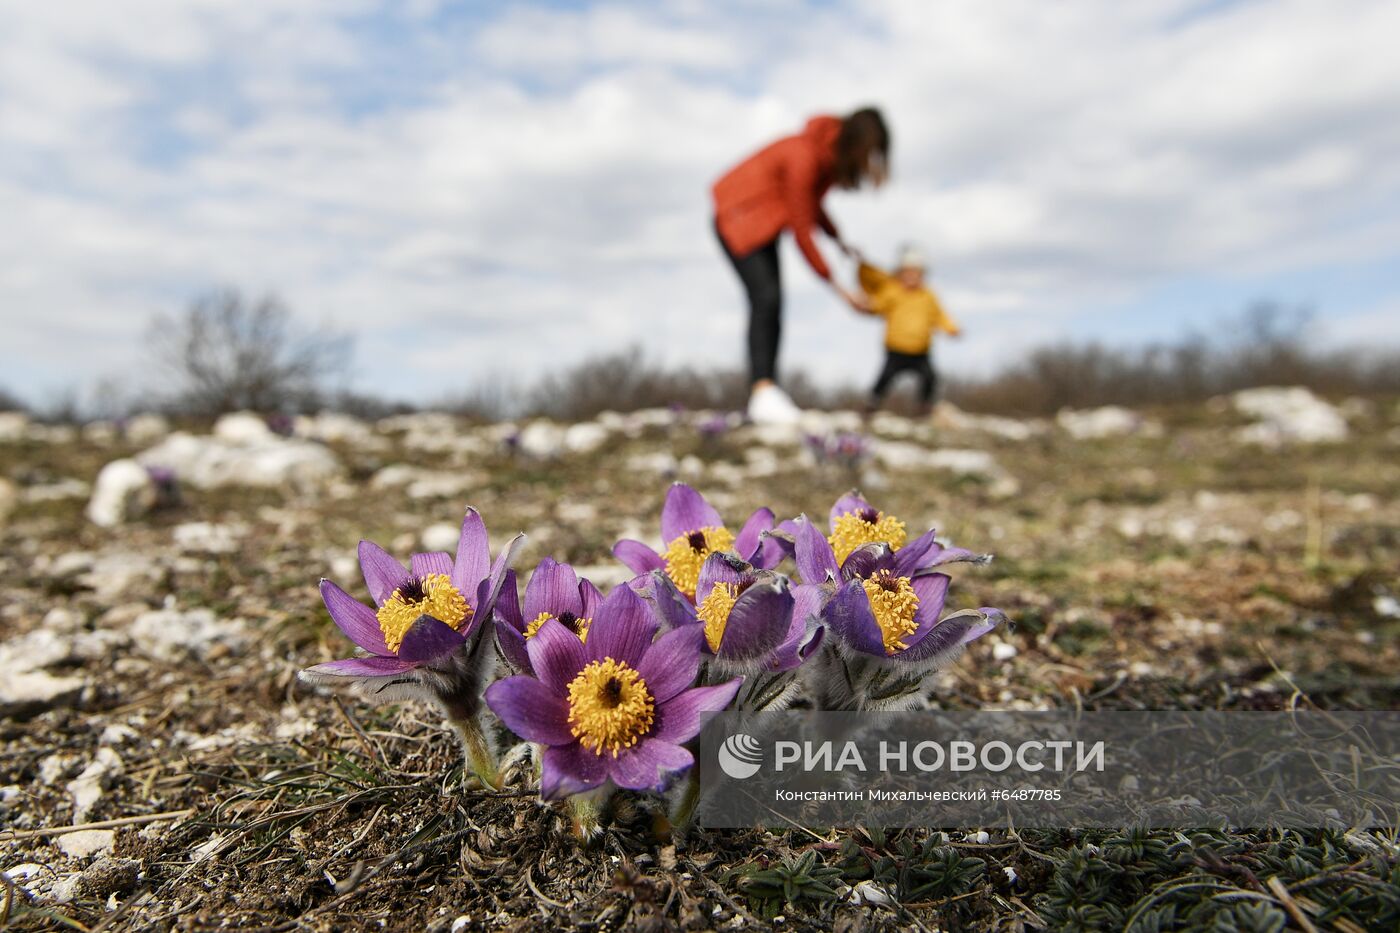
x,y
769,888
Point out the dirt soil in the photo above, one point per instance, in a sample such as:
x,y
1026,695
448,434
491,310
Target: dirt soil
x,y
1179,568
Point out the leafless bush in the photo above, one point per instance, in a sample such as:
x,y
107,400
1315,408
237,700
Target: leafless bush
x,y
625,381
1267,345
227,353
11,402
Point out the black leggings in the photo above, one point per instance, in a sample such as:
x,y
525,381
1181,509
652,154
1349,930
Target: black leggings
x,y
763,285
917,363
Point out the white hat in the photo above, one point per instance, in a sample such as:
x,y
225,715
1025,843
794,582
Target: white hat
x,y
911,257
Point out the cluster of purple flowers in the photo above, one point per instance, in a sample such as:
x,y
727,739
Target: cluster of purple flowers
x,y
611,687
842,448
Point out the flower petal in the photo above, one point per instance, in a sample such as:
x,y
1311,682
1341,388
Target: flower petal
x,y
623,629
429,639
816,562
512,643
570,769
637,556
531,710
684,511
911,557
805,631
932,590
940,555
648,765
850,619
672,661
682,717
671,605
591,598
862,563
851,502
507,606
746,544
771,551
355,619
556,655
553,588
758,623
490,589
420,565
719,567
473,561
382,573
950,634
362,667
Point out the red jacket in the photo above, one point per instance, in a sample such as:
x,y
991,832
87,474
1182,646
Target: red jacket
x,y
780,187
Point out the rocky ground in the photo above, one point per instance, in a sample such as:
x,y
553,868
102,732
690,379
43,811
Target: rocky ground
x,y
159,594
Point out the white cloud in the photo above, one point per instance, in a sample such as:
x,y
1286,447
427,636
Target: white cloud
x,y
503,196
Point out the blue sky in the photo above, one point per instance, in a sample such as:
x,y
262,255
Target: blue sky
x,y
485,192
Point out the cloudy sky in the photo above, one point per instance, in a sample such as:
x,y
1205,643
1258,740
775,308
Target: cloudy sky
x,y
484,192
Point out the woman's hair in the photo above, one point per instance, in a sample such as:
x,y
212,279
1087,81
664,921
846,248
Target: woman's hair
x,y
862,150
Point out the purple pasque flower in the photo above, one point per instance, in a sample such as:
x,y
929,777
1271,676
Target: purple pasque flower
x,y
554,592
423,615
752,619
884,603
692,530
618,707
854,523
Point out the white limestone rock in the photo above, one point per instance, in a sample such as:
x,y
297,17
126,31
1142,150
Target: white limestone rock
x,y
146,428
257,460
14,426
123,493
585,437
176,634
208,538
86,843
1288,415
1107,421
242,427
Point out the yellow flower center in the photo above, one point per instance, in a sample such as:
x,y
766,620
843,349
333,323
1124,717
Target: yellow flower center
x,y
610,707
432,595
894,602
865,526
570,621
714,612
686,555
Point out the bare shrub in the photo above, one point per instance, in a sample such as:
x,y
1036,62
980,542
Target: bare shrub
x,y
625,381
1267,345
228,353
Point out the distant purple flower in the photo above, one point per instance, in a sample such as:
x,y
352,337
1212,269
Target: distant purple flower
x,y
166,485
281,423
886,604
554,592
752,619
423,615
844,448
618,707
692,530
713,425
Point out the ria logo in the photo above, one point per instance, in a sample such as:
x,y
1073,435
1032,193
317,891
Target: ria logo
x,y
741,756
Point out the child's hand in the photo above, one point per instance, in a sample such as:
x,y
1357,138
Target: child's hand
x,y
858,300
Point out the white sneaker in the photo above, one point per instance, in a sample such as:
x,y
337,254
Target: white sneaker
x,y
771,405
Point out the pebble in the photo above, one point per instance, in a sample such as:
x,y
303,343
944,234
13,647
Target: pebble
x,y
87,842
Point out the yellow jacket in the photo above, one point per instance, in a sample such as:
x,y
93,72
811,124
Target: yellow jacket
x,y
911,314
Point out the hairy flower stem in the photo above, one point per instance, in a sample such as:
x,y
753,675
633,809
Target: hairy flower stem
x,y
683,810
586,814
481,760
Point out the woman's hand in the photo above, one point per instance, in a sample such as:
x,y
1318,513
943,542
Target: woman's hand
x,y
858,301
